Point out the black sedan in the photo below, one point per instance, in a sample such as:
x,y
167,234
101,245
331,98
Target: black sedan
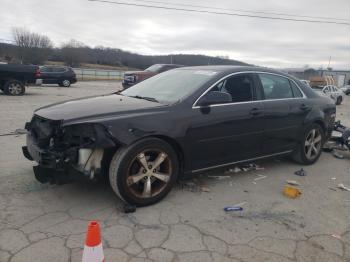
x,y
183,121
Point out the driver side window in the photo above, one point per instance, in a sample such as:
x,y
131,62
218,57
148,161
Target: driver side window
x,y
240,87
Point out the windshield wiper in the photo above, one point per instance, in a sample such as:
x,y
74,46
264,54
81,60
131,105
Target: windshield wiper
x,y
152,99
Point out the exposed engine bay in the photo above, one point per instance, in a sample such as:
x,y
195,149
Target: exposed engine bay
x,y
63,151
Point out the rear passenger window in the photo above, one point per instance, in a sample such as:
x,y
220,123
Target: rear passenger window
x,y
275,87
296,90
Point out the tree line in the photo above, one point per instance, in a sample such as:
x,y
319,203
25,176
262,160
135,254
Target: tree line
x,y
34,48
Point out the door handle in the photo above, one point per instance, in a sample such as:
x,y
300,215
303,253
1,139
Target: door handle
x,y
255,111
304,107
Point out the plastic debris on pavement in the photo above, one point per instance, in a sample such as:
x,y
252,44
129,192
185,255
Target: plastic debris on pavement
x,y
300,172
219,177
128,208
251,167
233,208
234,170
336,236
337,155
293,182
236,207
204,189
291,192
343,187
259,177
189,186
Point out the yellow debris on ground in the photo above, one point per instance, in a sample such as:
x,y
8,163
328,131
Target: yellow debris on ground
x,y
291,192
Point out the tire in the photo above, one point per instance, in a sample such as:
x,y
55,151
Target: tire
x,y
301,155
339,100
130,180
14,88
60,84
66,83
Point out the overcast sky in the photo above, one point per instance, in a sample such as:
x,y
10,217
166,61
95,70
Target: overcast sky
x,y
269,43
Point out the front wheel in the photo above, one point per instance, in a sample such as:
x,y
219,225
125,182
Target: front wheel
x,y
310,148
144,172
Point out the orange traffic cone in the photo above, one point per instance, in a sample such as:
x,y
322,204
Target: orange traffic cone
x,y
93,251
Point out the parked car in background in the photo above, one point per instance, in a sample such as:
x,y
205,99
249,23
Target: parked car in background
x,y
331,91
14,78
183,121
133,77
60,75
346,89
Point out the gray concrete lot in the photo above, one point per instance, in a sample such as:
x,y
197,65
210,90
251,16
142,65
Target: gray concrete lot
x,y
47,223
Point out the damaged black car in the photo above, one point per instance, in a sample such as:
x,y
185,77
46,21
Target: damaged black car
x,y
183,121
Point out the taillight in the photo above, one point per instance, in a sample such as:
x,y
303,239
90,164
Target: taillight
x,y
37,73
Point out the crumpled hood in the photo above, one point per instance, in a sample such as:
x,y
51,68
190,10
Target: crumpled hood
x,y
93,107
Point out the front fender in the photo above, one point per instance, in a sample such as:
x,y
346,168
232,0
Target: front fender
x,y
129,128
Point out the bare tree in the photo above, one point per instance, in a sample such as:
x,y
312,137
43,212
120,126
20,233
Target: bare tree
x,y
74,52
33,48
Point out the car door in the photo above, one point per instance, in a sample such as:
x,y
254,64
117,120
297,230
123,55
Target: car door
x,y
46,74
336,92
327,90
58,75
284,111
225,133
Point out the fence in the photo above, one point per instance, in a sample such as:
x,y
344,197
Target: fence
x,y
98,74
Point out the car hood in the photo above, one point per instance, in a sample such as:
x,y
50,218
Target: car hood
x,y
95,107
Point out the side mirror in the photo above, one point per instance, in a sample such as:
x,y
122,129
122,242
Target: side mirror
x,y
214,97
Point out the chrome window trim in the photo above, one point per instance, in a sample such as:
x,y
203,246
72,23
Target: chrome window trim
x,y
194,106
240,161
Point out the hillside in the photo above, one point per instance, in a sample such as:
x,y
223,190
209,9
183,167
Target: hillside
x,y
111,57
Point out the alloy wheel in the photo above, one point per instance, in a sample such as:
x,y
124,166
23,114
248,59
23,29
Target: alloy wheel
x,y
15,89
66,83
149,173
313,144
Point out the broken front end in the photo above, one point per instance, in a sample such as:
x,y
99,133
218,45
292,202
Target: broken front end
x,y
64,153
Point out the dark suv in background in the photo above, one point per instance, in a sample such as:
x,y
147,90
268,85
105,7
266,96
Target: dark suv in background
x,y
133,77
61,75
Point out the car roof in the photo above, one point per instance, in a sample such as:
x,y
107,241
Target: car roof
x,y
226,69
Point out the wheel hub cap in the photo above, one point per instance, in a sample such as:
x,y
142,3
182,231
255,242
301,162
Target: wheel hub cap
x,y
15,89
149,173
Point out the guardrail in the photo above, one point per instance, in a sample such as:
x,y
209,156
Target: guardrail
x,y
98,74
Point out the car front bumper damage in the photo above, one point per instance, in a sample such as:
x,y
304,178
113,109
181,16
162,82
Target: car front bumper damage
x,y
61,162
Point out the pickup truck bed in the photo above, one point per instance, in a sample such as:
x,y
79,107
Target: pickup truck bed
x,y
14,78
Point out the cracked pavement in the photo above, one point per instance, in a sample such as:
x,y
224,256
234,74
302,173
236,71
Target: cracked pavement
x,y
48,223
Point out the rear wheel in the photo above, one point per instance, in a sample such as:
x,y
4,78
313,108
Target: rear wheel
x,y
144,173
14,88
310,148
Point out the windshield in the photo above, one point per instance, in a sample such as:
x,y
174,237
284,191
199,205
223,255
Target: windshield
x,y
154,68
171,86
